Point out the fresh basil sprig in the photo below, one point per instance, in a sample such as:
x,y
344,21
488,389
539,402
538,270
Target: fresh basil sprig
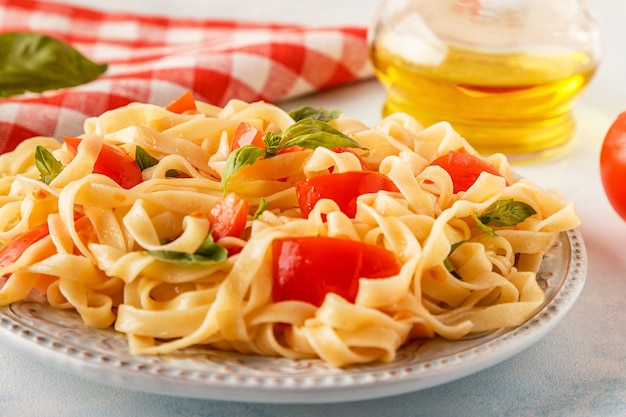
x,y
307,133
503,213
49,167
311,133
209,253
308,112
36,62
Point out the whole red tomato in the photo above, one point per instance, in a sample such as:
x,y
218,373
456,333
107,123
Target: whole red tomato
x,y
613,165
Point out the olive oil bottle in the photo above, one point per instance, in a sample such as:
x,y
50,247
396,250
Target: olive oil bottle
x,y
503,86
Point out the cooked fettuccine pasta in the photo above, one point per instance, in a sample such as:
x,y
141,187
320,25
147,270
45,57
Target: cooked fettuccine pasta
x,y
206,227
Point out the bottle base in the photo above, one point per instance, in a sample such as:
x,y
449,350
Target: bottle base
x,y
519,140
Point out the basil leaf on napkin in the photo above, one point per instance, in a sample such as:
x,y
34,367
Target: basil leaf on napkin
x,y
37,62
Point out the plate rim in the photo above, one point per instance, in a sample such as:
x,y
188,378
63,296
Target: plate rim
x,y
356,383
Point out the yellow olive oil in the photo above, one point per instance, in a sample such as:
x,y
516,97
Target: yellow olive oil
x,y
515,103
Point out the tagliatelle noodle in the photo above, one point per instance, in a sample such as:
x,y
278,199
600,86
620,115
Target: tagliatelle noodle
x,y
96,258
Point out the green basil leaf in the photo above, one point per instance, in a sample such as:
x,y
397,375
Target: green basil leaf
x,y
446,262
482,226
307,133
506,213
209,253
184,258
37,62
246,155
503,213
173,173
210,249
272,143
49,167
308,112
144,159
311,133
262,207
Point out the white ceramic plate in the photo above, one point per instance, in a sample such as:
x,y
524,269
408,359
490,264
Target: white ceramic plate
x,y
60,338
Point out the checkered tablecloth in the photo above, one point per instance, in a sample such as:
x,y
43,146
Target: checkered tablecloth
x,y
155,58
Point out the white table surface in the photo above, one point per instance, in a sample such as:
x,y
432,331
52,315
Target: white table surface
x,y
579,369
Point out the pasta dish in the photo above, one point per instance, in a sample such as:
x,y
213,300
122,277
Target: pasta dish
x,y
302,234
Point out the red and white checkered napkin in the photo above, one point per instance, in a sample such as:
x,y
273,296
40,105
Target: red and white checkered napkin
x,y
154,59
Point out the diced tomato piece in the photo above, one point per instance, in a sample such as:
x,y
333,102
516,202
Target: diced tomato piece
x,y
246,134
14,249
464,168
229,217
185,103
343,188
308,268
113,162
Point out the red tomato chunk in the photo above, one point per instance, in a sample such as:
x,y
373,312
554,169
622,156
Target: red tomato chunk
x,y
343,188
308,268
14,249
113,162
229,216
247,134
185,103
464,169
